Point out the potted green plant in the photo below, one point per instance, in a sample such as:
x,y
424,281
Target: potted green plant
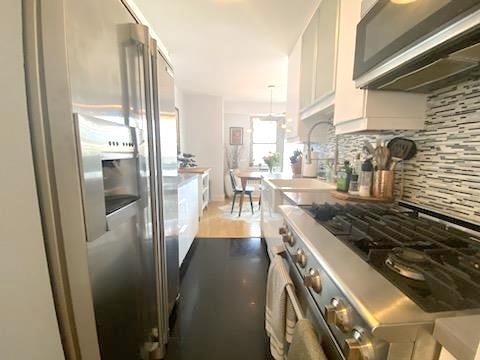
x,y
272,160
296,162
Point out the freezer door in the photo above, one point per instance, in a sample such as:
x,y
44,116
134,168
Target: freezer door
x,y
109,70
168,141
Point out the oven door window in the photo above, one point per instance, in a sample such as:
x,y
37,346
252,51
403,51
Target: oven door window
x,y
393,25
120,183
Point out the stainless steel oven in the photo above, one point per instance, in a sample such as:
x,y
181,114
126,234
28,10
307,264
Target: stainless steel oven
x,y
311,310
408,40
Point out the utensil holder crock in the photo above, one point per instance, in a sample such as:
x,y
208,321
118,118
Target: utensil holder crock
x,y
383,184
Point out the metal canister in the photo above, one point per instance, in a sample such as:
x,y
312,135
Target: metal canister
x,y
383,184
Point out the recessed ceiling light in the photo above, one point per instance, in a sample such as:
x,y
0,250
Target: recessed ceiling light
x,y
401,2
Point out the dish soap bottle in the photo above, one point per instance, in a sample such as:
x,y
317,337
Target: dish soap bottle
x,y
344,176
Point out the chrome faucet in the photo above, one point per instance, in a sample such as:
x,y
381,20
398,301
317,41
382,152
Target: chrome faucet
x,y
309,150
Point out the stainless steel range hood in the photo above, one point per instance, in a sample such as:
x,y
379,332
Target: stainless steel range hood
x,y
442,58
436,74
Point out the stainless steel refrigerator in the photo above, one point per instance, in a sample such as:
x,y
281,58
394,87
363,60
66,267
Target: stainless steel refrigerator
x,y
101,103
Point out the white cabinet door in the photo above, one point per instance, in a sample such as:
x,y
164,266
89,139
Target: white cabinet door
x,y
187,217
349,101
271,220
318,64
362,110
307,71
293,91
326,56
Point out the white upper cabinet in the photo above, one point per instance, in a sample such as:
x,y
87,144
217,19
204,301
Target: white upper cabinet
x,y
320,79
297,130
327,16
293,91
361,110
307,69
318,60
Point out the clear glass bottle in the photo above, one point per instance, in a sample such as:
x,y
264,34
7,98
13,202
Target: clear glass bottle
x,y
366,179
356,170
354,184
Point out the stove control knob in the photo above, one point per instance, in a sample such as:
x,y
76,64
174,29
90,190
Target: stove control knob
x,y
338,314
283,230
300,258
359,346
288,238
313,280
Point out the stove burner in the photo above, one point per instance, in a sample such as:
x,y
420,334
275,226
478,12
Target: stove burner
x,y
409,255
405,261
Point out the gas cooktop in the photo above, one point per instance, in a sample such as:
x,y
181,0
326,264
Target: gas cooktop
x,y
436,265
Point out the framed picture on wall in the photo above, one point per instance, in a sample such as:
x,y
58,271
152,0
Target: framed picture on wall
x,y
236,136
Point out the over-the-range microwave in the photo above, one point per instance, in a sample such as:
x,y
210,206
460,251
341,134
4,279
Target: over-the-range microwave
x,y
417,45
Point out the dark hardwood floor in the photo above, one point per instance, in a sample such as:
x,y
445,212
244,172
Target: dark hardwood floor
x,y
220,313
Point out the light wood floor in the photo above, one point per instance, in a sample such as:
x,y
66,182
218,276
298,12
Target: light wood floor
x,y
217,222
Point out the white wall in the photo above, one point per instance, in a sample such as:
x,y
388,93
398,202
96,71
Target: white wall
x,y
201,133
28,327
251,107
237,114
243,121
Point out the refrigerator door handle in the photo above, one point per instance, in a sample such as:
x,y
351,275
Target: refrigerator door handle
x,y
140,34
161,246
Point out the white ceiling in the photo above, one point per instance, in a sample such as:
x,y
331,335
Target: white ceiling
x,y
230,48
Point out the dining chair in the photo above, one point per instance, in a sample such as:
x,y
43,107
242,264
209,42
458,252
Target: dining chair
x,y
238,190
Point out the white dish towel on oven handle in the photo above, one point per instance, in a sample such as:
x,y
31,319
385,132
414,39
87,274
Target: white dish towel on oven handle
x,y
280,319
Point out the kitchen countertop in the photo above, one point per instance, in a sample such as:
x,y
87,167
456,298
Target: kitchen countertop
x,y
186,178
300,198
179,180
285,183
194,170
460,336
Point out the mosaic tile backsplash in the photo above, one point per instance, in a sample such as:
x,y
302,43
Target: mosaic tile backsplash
x,y
445,174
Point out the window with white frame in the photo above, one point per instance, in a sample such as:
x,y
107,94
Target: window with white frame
x,y
267,136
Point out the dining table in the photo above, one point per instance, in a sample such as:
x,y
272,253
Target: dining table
x,y
246,176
